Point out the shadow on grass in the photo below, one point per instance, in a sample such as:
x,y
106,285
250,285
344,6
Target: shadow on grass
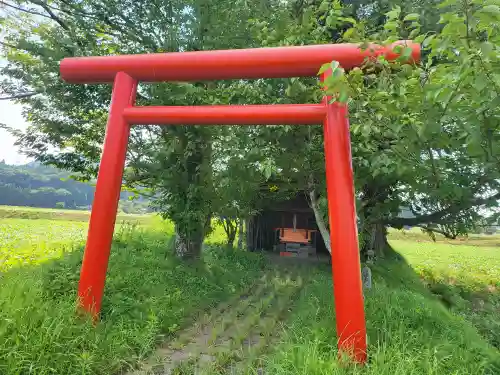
x,y
409,330
477,302
148,297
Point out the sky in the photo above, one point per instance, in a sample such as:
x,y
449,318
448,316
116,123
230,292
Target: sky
x,y
11,115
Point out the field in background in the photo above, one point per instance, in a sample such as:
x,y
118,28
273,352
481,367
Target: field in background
x,y
475,258
33,235
473,239
32,213
24,242
475,264
464,274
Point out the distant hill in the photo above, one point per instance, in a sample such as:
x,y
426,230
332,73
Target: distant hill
x,y
36,185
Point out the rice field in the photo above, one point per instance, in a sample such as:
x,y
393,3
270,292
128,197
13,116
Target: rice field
x,y
33,235
34,213
25,241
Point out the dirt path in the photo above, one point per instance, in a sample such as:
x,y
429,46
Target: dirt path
x,y
230,338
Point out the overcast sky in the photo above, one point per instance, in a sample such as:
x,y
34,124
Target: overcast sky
x,y
11,115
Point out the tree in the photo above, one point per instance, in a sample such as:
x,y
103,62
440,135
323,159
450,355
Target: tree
x,y
239,176
423,136
174,163
431,130
410,149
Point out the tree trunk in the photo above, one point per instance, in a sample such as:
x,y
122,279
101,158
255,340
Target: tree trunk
x,y
374,237
323,230
188,247
249,233
241,233
230,227
372,230
231,238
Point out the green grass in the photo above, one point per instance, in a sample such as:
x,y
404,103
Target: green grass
x,y
477,265
465,278
25,242
437,313
31,235
149,296
34,213
409,332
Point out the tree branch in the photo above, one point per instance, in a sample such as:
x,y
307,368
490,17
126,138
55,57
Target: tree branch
x,y
20,96
29,11
52,15
12,46
436,230
73,9
437,216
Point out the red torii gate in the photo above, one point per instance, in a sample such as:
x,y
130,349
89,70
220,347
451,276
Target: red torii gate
x,y
280,62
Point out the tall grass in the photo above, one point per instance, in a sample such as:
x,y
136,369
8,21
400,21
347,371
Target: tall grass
x,y
409,332
439,317
465,278
149,296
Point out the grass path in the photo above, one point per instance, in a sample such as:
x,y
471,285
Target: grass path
x,y
234,334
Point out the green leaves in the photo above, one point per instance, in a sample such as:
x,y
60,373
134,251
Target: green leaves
x,y
405,55
324,68
334,66
491,9
422,134
486,48
412,17
335,84
394,13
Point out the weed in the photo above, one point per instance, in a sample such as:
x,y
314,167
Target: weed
x,y
409,332
148,298
418,318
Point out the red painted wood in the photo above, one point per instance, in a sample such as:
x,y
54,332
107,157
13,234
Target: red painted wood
x,y
291,114
275,62
107,194
346,267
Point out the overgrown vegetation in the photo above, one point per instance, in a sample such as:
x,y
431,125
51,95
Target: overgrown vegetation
x,y
409,332
465,278
149,296
439,317
425,136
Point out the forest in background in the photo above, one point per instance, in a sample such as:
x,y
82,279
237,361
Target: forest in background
x,y
36,185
